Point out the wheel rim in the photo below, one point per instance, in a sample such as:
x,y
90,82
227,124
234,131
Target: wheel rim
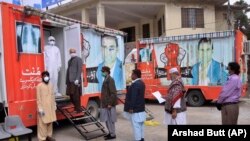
x,y
195,98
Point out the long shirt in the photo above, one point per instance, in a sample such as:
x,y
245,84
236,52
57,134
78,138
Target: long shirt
x,y
231,91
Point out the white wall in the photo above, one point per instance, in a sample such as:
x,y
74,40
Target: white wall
x,y
213,20
221,20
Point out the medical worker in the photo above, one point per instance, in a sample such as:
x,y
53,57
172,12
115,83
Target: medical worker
x,y
53,62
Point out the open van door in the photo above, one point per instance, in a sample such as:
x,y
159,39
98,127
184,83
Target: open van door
x,y
72,39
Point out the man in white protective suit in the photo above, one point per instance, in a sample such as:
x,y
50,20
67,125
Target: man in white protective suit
x,y
53,62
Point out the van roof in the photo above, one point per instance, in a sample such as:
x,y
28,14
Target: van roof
x,y
68,21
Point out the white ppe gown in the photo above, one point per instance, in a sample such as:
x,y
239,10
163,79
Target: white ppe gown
x,y
53,64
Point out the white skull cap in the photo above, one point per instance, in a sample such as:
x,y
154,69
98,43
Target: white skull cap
x,y
172,70
51,38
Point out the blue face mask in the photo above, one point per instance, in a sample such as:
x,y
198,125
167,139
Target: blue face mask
x,y
103,74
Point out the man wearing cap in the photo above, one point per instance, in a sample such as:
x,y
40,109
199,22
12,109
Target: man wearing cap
x,y
73,79
175,105
108,103
53,62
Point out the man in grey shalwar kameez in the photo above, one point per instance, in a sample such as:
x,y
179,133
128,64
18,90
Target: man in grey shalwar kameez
x,y
108,103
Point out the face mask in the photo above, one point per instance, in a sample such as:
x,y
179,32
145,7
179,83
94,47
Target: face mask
x,y
46,79
52,43
72,54
103,74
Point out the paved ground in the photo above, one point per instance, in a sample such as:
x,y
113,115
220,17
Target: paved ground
x,y
207,114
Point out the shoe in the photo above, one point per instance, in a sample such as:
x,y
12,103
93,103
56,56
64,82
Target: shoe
x,y
110,138
58,95
108,135
50,139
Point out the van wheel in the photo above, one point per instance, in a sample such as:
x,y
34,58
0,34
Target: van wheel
x,y
93,108
195,98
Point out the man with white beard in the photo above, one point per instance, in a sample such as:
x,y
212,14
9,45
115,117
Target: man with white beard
x,y
53,62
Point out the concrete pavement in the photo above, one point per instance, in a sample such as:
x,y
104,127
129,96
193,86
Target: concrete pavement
x,y
207,114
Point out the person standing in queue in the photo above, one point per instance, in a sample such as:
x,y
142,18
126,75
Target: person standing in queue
x,y
135,105
175,105
230,95
108,103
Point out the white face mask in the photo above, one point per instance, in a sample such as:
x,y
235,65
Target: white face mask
x,y
46,78
72,54
52,43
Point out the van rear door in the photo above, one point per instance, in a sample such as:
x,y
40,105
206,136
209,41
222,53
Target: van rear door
x,y
72,39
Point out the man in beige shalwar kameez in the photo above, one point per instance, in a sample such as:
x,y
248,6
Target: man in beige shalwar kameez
x,y
46,109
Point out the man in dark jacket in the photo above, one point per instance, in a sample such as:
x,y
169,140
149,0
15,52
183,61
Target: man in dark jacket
x,y
108,103
135,105
73,79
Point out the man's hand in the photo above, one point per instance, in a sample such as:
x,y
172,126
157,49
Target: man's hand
x,y
130,111
76,82
214,101
174,114
109,106
41,113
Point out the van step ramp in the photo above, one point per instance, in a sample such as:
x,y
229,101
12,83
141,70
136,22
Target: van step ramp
x,y
87,125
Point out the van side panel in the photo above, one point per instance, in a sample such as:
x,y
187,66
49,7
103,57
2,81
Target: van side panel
x,y
201,59
23,67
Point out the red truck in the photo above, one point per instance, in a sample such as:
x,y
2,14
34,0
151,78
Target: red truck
x,y
20,67
201,59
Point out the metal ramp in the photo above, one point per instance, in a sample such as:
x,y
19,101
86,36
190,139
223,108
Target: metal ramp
x,y
88,126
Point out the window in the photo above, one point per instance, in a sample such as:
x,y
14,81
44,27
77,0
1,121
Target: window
x,y
145,31
130,33
28,38
192,18
159,27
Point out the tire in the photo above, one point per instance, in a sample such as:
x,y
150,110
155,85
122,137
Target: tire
x,y
195,98
93,108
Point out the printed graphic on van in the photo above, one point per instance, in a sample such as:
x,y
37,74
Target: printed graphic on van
x,y
28,38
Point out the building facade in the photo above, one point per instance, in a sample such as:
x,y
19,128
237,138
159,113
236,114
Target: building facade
x,y
151,18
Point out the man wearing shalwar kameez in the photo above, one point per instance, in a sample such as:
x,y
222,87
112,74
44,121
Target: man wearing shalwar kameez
x,y
46,108
175,105
108,103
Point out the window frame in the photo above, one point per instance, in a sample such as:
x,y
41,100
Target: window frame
x,y
192,18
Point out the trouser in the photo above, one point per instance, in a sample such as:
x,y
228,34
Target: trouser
x,y
44,130
74,91
138,128
229,114
54,80
110,125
